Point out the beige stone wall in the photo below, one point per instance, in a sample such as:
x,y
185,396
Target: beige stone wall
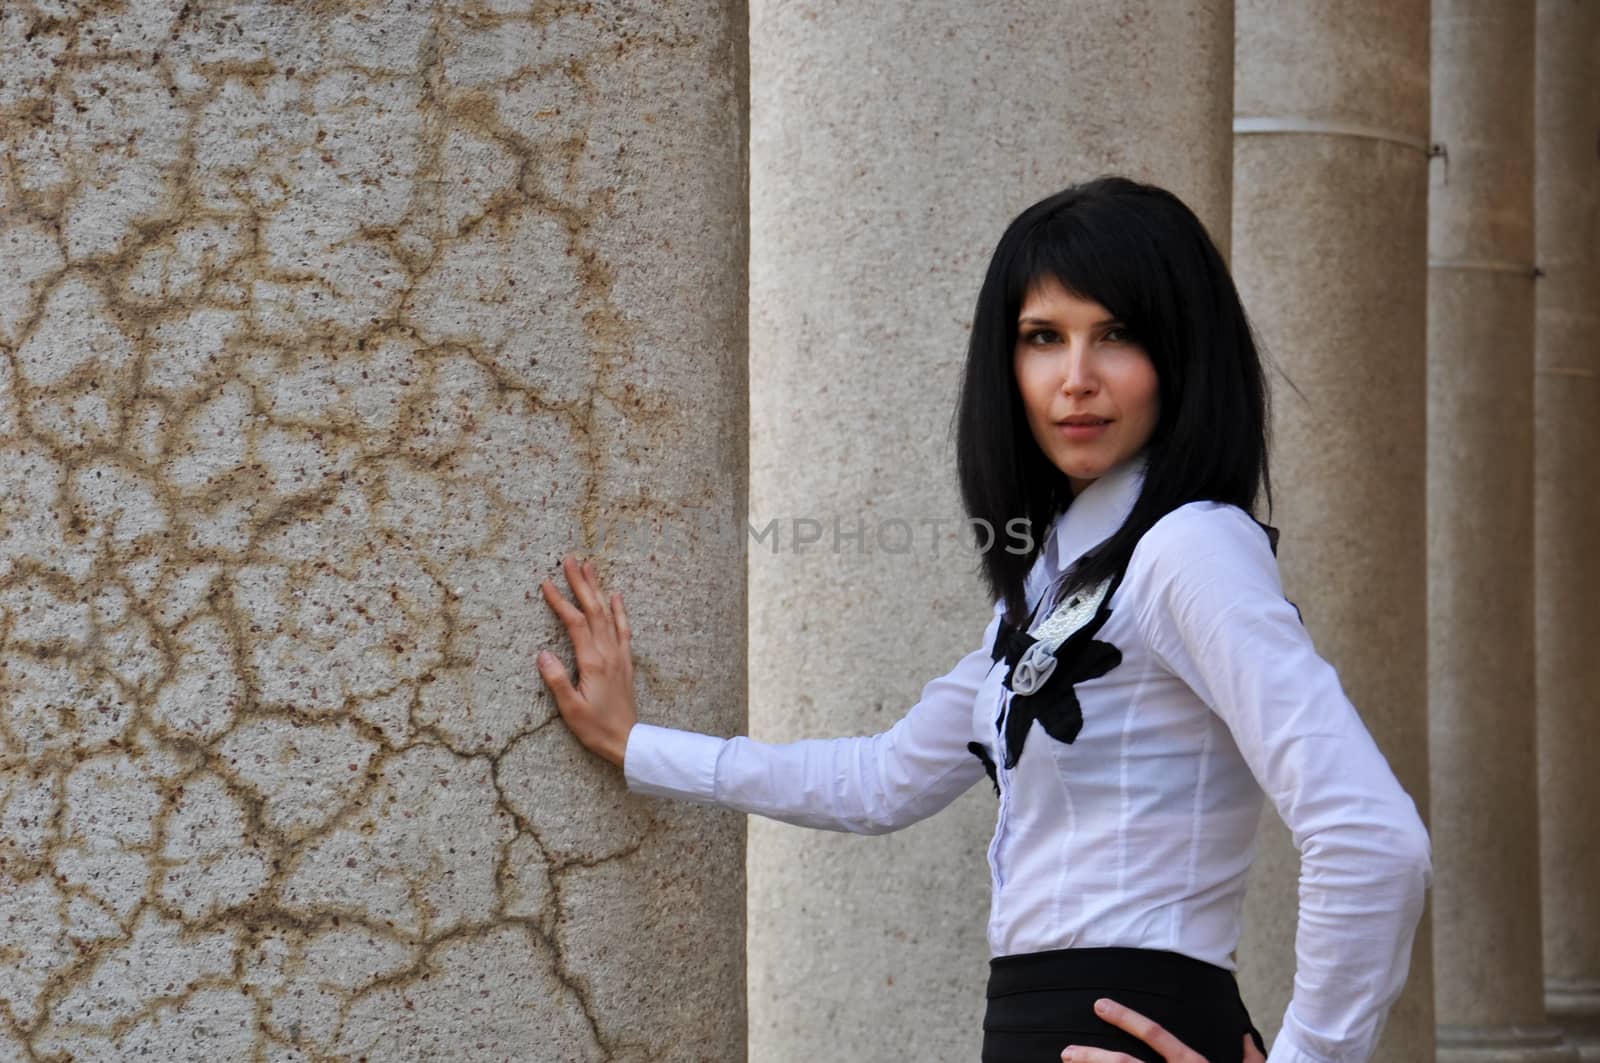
x,y
1329,252
1480,539
324,331
1566,391
891,144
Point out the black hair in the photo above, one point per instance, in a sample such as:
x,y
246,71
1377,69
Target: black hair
x,y
1137,250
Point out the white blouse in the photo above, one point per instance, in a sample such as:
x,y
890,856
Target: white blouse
x,y
1139,831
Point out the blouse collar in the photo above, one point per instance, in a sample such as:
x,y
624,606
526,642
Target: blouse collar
x,y
1095,514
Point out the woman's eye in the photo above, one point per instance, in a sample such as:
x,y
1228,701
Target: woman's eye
x,y
1116,335
1035,335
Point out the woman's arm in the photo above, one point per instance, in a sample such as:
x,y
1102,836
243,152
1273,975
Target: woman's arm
x,y
1215,614
870,784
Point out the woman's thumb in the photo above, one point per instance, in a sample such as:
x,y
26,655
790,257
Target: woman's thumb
x,y
555,675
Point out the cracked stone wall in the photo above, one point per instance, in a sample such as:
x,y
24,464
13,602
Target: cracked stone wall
x,y
325,330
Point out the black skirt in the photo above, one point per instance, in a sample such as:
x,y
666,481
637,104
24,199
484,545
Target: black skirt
x,y
1041,1002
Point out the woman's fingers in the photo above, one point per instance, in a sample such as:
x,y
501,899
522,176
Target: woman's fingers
x,y
1079,1054
577,625
569,615
1252,1054
620,613
591,626
1075,1054
586,589
1147,1030
590,616
568,701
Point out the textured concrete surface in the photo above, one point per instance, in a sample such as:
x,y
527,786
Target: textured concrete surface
x,y
1329,251
1488,979
890,145
324,331
1566,393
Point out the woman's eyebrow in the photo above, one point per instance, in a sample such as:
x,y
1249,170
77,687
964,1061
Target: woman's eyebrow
x,y
1047,321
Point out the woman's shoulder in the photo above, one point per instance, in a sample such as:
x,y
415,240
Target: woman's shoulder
x,y
1199,562
1200,536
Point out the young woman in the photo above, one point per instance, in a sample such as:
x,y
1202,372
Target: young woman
x,y
1142,682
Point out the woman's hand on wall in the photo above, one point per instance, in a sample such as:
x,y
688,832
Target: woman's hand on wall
x,y
599,707
1126,1019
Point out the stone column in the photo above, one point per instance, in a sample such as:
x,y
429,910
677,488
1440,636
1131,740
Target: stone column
x,y
324,332
1488,985
890,146
1566,396
1330,246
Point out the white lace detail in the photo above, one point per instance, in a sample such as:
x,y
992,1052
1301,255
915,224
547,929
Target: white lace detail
x,y
1071,614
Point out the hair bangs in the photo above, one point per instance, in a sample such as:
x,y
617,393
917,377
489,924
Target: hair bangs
x,y
1116,266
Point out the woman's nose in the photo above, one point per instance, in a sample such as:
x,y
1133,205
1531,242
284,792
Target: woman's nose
x,y
1077,372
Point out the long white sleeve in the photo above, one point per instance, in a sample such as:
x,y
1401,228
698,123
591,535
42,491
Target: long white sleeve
x,y
870,784
1216,617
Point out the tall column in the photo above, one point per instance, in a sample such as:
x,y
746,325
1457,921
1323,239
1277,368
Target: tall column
x,y
1330,245
1566,396
324,332
891,144
1488,983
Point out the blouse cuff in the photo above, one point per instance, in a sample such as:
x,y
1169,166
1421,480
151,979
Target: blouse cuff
x,y
1288,1048
665,762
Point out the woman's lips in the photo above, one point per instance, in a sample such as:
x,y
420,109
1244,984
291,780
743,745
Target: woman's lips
x,y
1082,431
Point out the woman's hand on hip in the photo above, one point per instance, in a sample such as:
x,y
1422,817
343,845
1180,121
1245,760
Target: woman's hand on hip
x,y
599,707
1126,1019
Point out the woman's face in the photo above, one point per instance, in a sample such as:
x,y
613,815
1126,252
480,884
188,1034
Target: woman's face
x,y
1090,391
